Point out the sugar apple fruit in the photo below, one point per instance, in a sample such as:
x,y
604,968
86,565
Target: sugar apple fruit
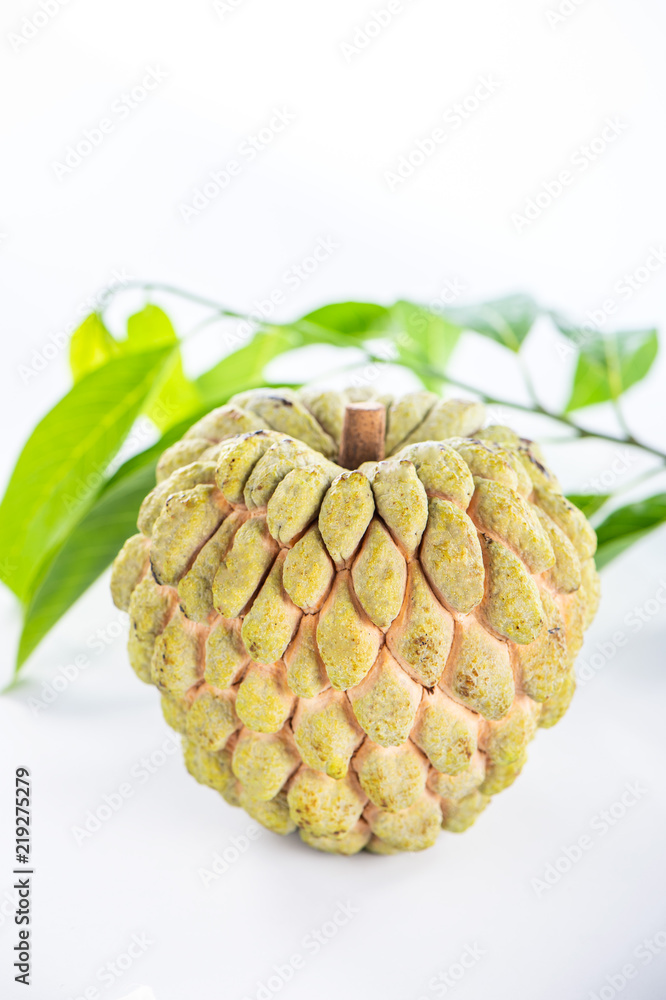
x,y
362,654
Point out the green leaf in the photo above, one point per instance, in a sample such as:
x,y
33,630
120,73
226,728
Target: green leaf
x,y
244,368
589,503
507,320
87,551
174,395
352,321
64,461
609,364
90,346
173,398
627,525
422,337
149,328
94,541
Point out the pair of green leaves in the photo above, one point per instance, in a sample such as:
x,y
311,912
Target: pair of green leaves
x,y
428,335
64,463
423,340
418,338
507,321
62,519
607,364
173,395
60,515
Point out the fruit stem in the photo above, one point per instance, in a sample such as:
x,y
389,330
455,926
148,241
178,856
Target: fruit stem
x,y
363,433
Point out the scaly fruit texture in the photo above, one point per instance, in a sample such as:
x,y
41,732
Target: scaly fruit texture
x,y
362,655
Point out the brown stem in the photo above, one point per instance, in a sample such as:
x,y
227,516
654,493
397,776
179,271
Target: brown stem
x,y
363,432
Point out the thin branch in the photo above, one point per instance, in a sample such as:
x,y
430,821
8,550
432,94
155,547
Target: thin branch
x,y
160,286
527,379
538,408
312,328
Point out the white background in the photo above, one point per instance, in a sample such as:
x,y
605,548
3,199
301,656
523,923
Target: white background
x,y
324,176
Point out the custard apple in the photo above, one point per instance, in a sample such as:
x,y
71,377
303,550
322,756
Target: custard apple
x,y
359,654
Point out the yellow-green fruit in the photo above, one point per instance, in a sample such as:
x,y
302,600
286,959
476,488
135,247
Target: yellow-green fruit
x,y
359,655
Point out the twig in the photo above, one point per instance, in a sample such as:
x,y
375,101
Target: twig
x,y
311,329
